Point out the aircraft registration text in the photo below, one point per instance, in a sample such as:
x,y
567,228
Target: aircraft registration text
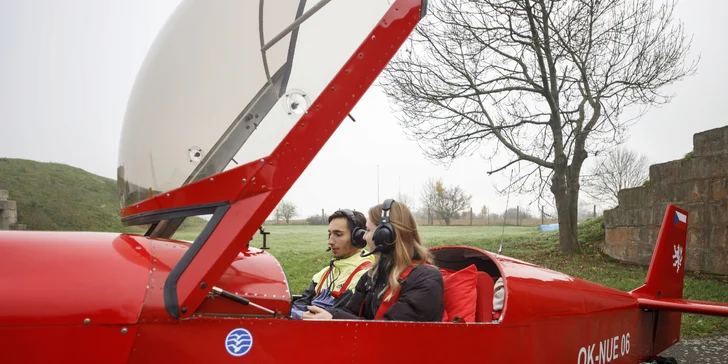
x,y
605,351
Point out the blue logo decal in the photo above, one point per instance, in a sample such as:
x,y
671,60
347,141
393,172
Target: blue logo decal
x,y
238,342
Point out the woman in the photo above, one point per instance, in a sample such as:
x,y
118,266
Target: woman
x,y
399,286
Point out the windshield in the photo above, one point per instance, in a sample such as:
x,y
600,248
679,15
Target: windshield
x,y
225,81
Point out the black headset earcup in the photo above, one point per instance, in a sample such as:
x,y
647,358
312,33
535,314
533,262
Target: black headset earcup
x,y
356,241
357,238
383,236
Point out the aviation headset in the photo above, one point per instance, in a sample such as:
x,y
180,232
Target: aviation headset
x,y
357,233
384,234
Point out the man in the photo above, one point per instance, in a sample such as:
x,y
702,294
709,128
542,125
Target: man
x,y
335,283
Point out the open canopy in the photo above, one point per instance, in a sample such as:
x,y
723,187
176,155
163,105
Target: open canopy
x,y
225,81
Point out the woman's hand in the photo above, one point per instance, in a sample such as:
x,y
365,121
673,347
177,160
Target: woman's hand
x,y
316,313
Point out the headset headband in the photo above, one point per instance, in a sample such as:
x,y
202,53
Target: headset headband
x,y
387,205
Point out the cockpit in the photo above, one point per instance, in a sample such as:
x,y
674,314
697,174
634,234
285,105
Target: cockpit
x,y
475,290
489,294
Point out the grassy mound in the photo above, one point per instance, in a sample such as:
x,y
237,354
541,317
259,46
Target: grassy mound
x,y
58,197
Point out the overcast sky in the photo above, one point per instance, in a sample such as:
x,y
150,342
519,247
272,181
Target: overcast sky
x,y
67,67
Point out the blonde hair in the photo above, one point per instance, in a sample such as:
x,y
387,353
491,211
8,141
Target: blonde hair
x,y
407,245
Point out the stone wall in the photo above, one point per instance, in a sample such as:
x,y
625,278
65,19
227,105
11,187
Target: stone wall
x,y
698,184
8,213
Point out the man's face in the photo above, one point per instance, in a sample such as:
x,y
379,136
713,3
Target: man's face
x,y
340,238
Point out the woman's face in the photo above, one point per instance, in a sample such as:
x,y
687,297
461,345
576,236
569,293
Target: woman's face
x,y
370,233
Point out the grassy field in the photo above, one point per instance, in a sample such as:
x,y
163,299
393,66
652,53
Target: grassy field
x,y
301,251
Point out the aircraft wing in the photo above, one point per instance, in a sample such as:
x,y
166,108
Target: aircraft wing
x,y
683,305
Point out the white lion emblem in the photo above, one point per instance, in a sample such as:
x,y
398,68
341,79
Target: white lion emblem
x,y
677,257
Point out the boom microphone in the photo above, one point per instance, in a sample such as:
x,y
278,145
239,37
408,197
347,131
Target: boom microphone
x,y
378,249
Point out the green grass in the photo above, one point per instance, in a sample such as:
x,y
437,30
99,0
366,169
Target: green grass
x,y
52,196
58,197
301,251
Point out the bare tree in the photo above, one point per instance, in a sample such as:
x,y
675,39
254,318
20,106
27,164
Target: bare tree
x,y
428,198
285,210
422,214
445,202
518,214
544,81
483,212
589,209
404,199
619,169
277,215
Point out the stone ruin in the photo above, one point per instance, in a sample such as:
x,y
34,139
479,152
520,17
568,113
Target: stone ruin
x,y
8,213
698,184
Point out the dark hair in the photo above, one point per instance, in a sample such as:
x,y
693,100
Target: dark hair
x,y
359,220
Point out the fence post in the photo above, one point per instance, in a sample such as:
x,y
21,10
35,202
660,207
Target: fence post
x,y
518,213
541,215
471,216
323,217
595,211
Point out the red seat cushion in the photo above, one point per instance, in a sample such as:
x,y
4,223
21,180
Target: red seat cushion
x,y
460,294
446,272
484,301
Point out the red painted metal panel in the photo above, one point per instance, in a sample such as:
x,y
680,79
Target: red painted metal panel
x,y
62,278
616,335
225,186
254,274
681,305
66,344
257,276
534,292
223,245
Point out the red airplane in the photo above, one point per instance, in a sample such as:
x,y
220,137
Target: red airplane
x,y
89,297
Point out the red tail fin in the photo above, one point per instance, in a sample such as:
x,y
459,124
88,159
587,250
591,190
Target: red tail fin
x,y
667,269
666,275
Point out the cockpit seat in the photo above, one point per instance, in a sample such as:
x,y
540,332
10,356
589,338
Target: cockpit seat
x,y
470,277
484,298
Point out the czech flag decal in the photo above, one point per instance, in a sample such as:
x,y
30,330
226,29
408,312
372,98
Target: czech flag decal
x,y
681,220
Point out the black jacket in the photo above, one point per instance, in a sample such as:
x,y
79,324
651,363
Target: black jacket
x,y
420,298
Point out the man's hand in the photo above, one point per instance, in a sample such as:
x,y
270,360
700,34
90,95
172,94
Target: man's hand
x,y
316,313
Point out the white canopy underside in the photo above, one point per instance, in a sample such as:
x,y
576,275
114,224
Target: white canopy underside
x,y
203,97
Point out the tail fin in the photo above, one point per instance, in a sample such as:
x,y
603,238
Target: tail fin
x,y
663,290
667,269
665,277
